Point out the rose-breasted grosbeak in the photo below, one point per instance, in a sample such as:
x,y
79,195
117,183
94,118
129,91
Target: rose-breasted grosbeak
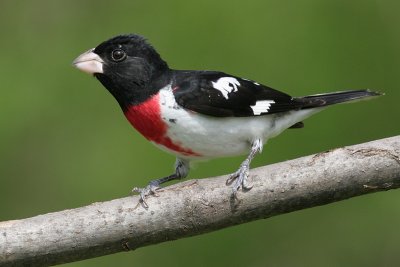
x,y
197,114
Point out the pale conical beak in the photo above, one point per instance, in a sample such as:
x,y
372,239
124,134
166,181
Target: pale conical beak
x,y
89,62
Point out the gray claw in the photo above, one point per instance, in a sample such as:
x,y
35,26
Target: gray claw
x,y
181,170
241,179
145,192
241,176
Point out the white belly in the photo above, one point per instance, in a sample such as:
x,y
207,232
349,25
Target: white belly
x,y
221,136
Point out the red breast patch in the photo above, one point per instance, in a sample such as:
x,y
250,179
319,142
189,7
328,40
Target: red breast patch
x,y
146,118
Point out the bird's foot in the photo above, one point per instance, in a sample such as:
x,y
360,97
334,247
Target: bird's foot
x,y
154,186
151,189
240,178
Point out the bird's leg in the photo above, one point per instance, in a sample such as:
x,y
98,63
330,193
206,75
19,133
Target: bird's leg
x,y
241,175
181,171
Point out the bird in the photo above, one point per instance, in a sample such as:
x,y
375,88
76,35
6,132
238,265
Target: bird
x,y
198,114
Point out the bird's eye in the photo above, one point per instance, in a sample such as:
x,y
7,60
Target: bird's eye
x,y
118,55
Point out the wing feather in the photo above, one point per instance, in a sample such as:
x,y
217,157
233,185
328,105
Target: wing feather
x,y
222,95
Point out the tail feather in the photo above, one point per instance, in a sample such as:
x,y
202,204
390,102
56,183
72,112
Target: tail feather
x,y
320,100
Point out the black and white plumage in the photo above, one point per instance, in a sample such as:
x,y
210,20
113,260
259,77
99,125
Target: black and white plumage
x,y
221,95
197,114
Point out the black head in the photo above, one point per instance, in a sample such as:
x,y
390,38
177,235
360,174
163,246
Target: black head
x,y
128,66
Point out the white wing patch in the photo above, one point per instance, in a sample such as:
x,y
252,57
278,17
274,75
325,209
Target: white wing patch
x,y
226,85
262,106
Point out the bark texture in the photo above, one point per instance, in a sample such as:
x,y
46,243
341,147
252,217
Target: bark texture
x,y
198,206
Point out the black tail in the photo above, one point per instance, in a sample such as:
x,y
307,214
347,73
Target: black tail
x,y
320,100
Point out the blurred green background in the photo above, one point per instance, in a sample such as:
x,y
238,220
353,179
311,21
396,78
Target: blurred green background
x,y
64,142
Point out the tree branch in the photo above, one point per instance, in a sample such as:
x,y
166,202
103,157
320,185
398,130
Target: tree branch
x,y
199,206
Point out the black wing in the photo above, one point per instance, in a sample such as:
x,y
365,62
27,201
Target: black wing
x,y
222,95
